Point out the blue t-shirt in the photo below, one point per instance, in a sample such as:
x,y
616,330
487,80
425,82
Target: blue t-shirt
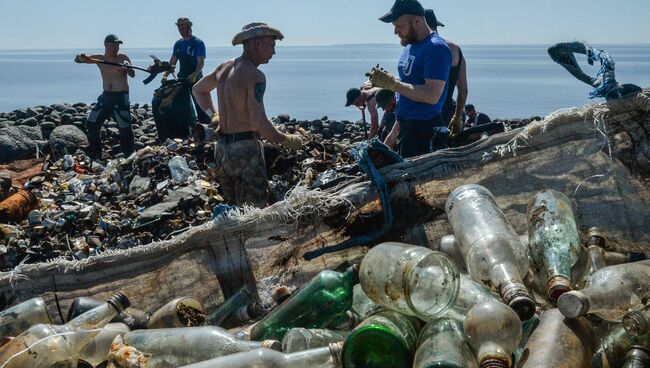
x,y
427,59
188,52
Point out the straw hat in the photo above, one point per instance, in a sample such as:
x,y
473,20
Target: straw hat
x,y
256,30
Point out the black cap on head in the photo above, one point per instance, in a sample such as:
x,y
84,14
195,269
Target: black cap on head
x,y
111,38
403,7
351,95
384,97
431,18
469,107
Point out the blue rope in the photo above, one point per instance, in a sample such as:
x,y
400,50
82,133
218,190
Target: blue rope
x,y
362,157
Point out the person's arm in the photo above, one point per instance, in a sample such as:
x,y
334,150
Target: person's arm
x,y
129,71
391,139
173,59
429,92
255,101
199,64
462,87
201,92
85,59
200,57
374,118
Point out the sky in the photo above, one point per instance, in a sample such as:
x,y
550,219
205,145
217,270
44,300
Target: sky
x,y
76,24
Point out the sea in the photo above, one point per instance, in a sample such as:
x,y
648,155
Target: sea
x,y
309,82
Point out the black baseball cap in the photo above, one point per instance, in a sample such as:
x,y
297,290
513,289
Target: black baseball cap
x,y
351,95
403,7
384,97
432,20
469,107
111,38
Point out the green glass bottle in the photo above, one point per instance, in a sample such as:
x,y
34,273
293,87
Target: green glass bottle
x,y
240,307
443,344
614,344
553,239
386,339
324,299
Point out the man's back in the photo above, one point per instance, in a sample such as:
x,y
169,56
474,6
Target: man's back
x,y
233,81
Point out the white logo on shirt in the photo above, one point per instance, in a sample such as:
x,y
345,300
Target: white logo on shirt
x,y
407,65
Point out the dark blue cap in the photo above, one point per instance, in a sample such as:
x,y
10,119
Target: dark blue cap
x,y
403,7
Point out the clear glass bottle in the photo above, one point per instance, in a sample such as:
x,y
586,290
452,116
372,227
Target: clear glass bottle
x,y
410,279
610,293
386,339
637,357
637,323
180,312
363,306
559,343
134,318
299,339
324,299
492,250
553,239
174,347
96,351
20,317
494,331
443,343
450,247
58,346
327,357
239,308
613,345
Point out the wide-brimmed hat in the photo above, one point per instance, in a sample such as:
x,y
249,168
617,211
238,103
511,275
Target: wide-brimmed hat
x,y
257,29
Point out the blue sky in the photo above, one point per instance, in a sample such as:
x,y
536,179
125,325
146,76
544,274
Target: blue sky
x,y
44,24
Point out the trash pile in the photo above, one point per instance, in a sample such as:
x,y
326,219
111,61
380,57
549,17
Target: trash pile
x,y
485,297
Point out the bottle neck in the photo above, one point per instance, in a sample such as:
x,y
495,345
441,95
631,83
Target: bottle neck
x,y
95,318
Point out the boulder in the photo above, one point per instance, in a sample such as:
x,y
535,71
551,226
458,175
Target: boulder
x,y
32,122
68,136
17,142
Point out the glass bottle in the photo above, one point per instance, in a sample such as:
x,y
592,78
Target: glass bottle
x,y
299,339
492,250
450,247
559,343
22,316
174,347
637,357
134,318
494,331
553,239
46,345
321,301
327,357
614,344
443,343
386,339
637,323
180,312
410,279
240,307
97,349
611,292
363,306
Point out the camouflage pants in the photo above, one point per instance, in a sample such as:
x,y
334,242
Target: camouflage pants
x,y
242,172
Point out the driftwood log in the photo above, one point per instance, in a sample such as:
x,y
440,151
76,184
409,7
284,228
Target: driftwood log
x,y
598,155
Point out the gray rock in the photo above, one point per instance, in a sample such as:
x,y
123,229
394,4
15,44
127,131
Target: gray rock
x,y
337,126
17,142
59,107
66,119
4,124
32,122
68,136
30,113
317,125
69,110
282,118
47,125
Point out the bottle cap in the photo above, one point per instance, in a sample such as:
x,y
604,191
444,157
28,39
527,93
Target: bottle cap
x,y
573,304
272,344
636,323
119,301
557,286
280,294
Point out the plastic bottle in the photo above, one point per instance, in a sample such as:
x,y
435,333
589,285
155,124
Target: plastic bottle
x,y
553,239
410,279
328,357
611,292
387,339
96,351
46,345
180,312
300,339
443,343
559,343
20,317
175,347
179,170
637,323
239,308
494,330
321,301
491,247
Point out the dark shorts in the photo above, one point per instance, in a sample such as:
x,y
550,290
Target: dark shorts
x,y
116,104
415,136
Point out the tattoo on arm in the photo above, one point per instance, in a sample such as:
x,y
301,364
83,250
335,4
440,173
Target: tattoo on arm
x,y
260,88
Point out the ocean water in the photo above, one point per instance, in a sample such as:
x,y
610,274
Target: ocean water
x,y
310,82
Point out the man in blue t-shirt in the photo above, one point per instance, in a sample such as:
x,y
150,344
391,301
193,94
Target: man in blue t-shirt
x,y
421,89
189,51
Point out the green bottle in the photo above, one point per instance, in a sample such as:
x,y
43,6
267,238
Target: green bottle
x,y
237,309
553,239
387,339
324,299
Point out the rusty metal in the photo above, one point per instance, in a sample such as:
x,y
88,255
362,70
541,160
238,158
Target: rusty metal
x,y
16,207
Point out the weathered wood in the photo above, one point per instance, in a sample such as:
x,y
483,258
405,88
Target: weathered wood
x,y
568,151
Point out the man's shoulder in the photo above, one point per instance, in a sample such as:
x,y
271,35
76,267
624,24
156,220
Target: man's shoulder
x,y
198,40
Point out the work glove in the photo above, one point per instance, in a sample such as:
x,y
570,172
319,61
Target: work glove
x,y
292,141
382,79
455,126
216,119
81,58
194,77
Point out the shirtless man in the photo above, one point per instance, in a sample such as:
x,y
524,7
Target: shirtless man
x,y
113,101
241,117
365,98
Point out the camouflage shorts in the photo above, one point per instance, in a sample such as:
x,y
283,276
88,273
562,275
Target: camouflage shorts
x,y
242,172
